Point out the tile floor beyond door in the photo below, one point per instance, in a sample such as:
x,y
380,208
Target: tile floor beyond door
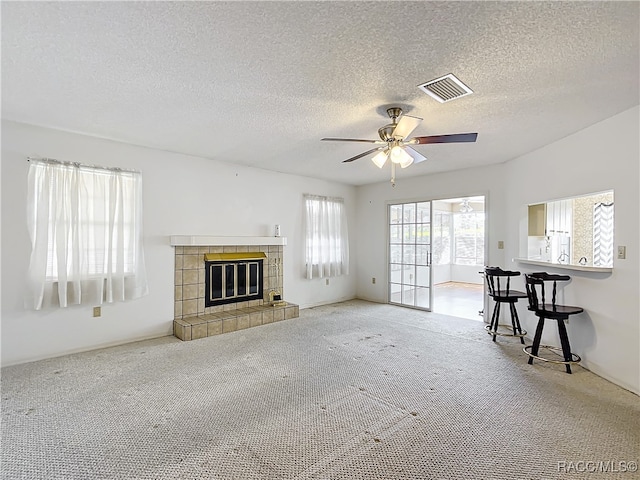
x,y
459,299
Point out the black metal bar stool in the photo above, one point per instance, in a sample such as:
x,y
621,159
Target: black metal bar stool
x,y
499,289
535,284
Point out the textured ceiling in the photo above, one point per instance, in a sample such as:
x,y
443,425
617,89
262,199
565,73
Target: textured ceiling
x,y
260,83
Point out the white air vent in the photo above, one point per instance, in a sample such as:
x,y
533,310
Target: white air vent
x,y
445,89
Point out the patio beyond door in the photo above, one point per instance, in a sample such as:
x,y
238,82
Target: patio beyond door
x,y
410,282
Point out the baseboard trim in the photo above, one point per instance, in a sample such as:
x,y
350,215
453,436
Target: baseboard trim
x,y
328,302
115,343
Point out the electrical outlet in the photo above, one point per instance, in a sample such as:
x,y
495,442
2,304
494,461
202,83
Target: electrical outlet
x,y
373,280
500,245
327,281
97,311
622,252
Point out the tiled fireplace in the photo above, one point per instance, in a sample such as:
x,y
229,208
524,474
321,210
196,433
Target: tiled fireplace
x,y
193,319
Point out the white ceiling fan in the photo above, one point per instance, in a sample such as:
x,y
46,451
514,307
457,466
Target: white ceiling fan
x,y
395,145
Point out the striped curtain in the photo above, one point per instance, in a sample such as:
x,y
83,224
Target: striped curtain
x,y
603,234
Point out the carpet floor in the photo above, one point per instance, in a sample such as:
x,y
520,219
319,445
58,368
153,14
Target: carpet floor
x,y
354,390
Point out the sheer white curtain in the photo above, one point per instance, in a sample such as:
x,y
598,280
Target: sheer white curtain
x,y
326,237
85,225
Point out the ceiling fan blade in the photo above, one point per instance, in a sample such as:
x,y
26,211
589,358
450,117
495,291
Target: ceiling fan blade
x,y
417,156
350,140
405,126
454,138
362,154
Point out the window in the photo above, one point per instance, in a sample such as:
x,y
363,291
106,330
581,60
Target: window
x,y
326,237
85,225
468,233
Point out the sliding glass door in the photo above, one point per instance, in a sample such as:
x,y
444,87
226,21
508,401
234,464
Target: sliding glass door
x,y
410,279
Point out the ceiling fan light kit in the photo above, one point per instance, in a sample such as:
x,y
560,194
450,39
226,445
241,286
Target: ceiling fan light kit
x,y
400,157
396,146
380,158
465,207
397,154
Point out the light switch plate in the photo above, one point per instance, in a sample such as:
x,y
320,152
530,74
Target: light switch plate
x,y
500,244
622,252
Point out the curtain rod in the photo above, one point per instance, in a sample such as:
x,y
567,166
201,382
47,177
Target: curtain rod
x,y
80,165
323,197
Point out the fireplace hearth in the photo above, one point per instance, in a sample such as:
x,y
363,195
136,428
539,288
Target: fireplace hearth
x,y
224,288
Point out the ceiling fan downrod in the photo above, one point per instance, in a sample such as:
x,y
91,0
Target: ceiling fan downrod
x,y
394,113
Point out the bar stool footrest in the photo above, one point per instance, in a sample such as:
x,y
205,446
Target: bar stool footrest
x,y
503,333
575,358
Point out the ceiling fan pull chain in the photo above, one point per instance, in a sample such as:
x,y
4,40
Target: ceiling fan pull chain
x,y
393,174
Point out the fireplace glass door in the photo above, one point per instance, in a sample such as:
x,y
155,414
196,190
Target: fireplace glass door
x,y
228,282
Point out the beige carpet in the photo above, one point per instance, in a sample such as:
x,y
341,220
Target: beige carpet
x,y
348,391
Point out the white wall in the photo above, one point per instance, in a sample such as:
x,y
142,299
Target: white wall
x,y
183,195
602,157
467,274
441,273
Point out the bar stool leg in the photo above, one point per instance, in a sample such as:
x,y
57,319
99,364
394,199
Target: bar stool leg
x,y
495,319
536,340
515,321
564,341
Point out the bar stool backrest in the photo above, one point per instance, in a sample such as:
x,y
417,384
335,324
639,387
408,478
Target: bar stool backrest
x,y
493,276
535,284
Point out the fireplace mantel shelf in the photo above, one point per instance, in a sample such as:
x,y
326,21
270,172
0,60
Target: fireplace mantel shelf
x,y
206,240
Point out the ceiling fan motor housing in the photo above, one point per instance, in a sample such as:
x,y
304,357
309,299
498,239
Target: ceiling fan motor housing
x,y
386,132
